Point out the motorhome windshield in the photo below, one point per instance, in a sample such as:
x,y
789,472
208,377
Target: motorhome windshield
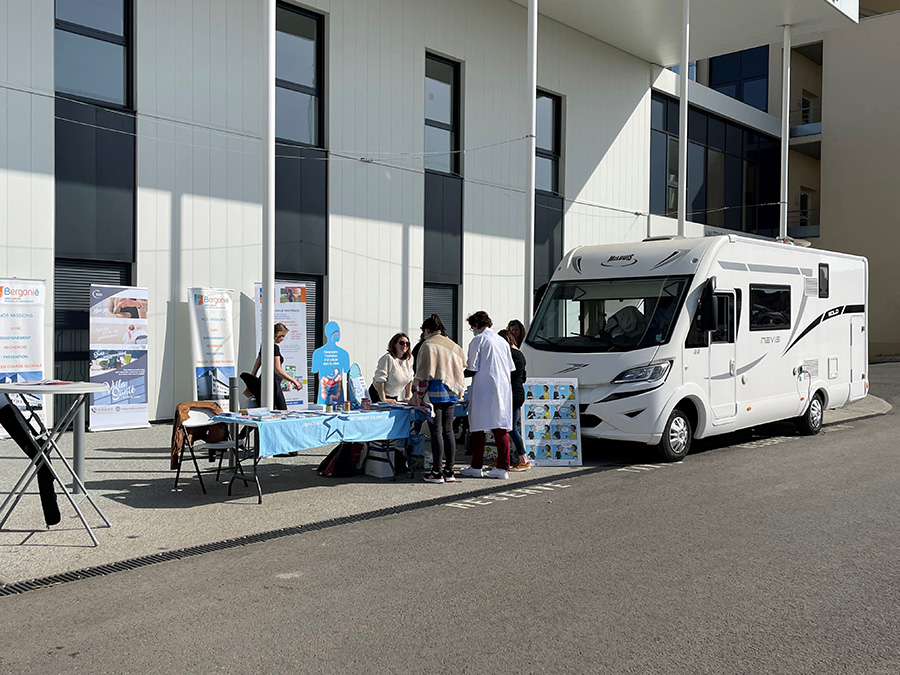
x,y
607,315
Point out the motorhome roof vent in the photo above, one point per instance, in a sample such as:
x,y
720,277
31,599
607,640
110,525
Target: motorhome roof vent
x,y
664,237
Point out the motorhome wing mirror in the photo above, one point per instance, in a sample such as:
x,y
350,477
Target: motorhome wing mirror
x,y
709,308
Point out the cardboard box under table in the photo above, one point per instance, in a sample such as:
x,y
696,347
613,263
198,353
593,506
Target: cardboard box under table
x,y
308,431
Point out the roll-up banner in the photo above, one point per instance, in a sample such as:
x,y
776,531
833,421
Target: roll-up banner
x,y
212,343
290,309
119,343
22,334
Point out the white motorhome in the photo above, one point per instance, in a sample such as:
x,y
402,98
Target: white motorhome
x,y
687,338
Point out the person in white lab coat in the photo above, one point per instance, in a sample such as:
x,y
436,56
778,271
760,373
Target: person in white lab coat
x,y
490,396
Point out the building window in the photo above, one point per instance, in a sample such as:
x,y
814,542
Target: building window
x,y
733,172
298,76
92,50
548,143
743,76
442,137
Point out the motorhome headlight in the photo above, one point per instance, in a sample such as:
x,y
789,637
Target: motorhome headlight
x,y
652,373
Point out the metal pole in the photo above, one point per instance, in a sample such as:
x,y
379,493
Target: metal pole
x,y
683,118
78,443
530,146
785,130
267,372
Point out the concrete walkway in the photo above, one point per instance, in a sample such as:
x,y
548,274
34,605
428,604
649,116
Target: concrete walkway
x,y
128,476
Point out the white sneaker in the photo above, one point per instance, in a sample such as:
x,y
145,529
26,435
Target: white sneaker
x,y
470,472
497,473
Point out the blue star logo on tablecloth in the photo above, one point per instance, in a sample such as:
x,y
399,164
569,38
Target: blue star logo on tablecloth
x,y
333,428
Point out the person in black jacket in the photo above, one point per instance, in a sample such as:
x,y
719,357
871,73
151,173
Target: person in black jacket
x,y
517,380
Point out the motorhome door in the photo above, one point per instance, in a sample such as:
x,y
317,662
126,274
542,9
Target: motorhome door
x,y
722,368
858,363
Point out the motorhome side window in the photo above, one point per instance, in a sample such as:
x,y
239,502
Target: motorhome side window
x,y
770,307
696,337
823,280
724,331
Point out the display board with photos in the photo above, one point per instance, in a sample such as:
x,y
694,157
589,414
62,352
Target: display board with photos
x,y
551,426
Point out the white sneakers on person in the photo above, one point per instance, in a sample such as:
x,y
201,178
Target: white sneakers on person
x,y
502,474
470,472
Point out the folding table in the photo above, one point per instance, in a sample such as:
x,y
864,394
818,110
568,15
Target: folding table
x,y
47,439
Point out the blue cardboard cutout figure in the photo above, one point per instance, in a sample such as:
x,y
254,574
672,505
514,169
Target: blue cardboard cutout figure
x,y
331,363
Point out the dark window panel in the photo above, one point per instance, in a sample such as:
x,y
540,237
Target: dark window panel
x,y
751,196
296,115
89,68
548,243
715,188
696,185
756,93
105,15
734,140
94,150
295,45
734,185
658,113
301,211
672,162
697,126
755,62
443,229
658,142
726,68
672,116
716,133
730,90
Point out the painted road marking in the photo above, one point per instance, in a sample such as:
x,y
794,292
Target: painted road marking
x,y
506,495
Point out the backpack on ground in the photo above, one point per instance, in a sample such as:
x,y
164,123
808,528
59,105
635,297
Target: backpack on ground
x,y
343,460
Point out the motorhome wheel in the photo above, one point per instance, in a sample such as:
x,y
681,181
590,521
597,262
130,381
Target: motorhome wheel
x,y
810,422
676,438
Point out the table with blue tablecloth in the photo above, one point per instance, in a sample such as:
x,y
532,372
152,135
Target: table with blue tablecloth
x,y
308,431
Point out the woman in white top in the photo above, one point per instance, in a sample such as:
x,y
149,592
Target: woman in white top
x,y
394,372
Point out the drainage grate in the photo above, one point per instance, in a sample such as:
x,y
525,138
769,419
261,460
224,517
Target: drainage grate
x,y
17,588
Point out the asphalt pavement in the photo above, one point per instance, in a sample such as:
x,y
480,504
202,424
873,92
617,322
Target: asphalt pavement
x,y
762,552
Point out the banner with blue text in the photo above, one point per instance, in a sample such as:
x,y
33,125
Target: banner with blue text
x,y
119,343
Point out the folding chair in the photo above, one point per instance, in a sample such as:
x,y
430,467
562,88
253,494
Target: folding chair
x,y
196,419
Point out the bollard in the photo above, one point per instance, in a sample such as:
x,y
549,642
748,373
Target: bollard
x,y
234,393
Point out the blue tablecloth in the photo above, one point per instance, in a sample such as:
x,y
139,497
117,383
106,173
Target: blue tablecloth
x,y
313,431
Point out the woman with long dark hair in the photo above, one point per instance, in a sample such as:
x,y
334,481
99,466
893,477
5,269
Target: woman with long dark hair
x,y
440,363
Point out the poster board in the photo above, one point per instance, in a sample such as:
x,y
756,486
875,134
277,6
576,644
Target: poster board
x,y
119,344
212,343
551,423
22,306
290,309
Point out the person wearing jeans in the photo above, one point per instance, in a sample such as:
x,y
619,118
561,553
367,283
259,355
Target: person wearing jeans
x,y
490,364
440,363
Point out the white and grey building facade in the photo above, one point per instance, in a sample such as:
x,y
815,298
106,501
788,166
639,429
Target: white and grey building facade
x,y
130,152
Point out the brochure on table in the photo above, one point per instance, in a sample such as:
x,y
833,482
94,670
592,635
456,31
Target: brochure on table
x,y
119,341
22,335
212,343
290,309
551,427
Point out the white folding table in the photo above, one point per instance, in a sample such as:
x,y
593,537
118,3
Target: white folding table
x,y
47,439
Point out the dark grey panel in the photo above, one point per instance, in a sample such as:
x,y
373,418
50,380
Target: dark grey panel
x,y
95,179
548,236
301,211
443,229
